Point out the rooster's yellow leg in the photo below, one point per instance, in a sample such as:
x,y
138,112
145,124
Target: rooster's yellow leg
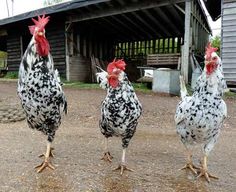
x,y
189,164
51,154
122,167
46,162
204,172
107,156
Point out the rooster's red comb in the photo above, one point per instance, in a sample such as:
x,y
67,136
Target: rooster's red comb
x,y
40,24
210,50
120,64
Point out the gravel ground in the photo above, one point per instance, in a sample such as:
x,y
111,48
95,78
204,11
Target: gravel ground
x,y
155,152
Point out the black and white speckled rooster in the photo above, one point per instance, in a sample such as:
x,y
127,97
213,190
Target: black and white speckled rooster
x,y
39,88
199,117
120,109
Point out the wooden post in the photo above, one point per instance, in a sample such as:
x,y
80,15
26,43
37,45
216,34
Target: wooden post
x,y
67,44
168,45
21,46
185,52
78,44
85,46
154,46
163,45
173,45
128,49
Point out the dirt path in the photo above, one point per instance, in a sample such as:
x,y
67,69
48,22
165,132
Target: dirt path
x,y
155,153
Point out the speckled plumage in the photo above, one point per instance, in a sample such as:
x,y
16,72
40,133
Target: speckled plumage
x,y
40,92
199,117
120,109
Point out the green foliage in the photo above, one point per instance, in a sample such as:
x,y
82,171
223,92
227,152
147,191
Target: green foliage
x,y
11,75
1,63
51,2
216,42
230,95
3,56
142,87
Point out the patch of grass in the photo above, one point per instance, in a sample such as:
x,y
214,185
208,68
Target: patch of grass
x,y
137,86
11,75
81,85
229,94
142,87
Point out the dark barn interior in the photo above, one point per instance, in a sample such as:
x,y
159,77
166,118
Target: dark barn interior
x,y
85,33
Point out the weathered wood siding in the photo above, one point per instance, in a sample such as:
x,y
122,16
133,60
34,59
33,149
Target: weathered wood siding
x,y
56,38
79,69
14,52
229,39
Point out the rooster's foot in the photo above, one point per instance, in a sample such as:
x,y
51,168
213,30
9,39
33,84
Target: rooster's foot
x,y
107,157
206,174
190,166
43,165
51,154
122,168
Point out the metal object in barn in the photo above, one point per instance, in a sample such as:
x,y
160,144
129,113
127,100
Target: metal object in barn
x,y
166,80
196,73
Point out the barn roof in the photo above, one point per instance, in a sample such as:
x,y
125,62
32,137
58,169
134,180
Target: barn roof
x,y
214,8
138,19
70,5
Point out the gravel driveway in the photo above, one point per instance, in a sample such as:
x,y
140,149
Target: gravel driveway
x,y
155,152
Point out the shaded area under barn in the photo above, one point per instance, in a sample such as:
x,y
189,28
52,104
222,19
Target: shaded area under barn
x,y
106,29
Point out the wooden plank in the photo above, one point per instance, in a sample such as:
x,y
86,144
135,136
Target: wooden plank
x,y
231,34
163,59
229,11
228,23
229,17
185,64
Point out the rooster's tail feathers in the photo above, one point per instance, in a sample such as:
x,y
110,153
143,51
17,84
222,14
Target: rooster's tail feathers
x,y
183,90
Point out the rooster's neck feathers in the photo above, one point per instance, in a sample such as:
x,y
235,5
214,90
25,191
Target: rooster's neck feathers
x,y
213,84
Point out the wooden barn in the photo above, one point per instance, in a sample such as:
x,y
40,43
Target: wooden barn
x,y
227,10
83,32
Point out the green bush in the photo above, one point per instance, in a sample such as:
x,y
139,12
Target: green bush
x,y
11,75
3,54
215,42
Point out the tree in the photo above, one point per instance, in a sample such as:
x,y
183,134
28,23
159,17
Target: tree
x,y
12,8
51,2
7,8
216,42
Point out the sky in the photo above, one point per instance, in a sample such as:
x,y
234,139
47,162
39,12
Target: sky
x,y
21,6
